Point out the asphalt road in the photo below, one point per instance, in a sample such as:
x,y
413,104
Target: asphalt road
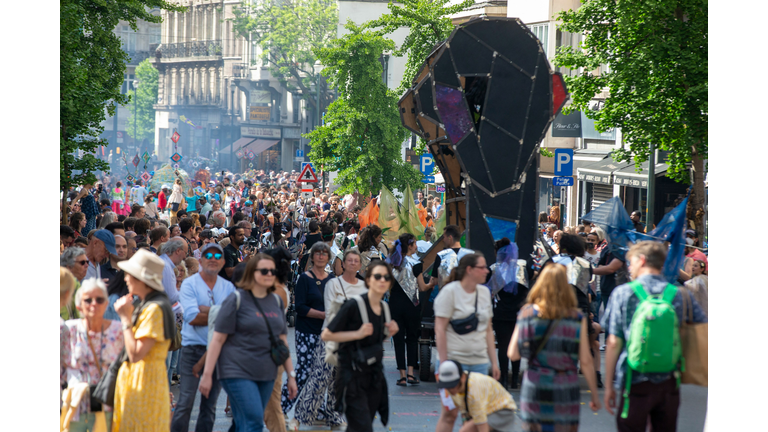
x,y
416,408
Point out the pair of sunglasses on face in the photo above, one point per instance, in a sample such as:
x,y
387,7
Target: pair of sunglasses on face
x,y
386,277
266,271
211,255
98,300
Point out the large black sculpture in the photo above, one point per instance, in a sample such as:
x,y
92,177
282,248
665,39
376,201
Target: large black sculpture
x,y
483,101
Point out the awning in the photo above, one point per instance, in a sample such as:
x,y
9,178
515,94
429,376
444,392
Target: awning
x,y
260,145
584,157
601,171
237,145
628,176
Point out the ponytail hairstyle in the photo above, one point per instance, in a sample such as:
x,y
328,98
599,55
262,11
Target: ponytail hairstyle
x,y
460,271
368,238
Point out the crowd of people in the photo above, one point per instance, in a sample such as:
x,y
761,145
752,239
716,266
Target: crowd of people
x,y
194,285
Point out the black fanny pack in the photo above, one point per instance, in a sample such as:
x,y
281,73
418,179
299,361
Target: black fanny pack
x,y
466,325
363,357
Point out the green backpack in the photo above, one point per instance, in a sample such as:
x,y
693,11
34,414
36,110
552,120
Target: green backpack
x,y
654,336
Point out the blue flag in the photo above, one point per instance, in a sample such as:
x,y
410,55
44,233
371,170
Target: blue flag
x,y
612,217
672,229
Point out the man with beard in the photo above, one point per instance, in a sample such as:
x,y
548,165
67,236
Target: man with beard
x,y
232,254
109,269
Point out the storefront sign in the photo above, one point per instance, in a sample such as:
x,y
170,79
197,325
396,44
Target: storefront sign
x,y
567,126
259,113
631,182
595,178
260,132
260,97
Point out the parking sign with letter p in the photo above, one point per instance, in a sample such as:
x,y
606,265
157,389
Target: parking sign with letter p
x,y
564,162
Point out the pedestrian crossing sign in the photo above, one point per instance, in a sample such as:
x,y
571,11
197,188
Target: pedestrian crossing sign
x,y
307,175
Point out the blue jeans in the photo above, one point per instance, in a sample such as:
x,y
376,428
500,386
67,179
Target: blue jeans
x,y
482,368
248,400
188,390
172,363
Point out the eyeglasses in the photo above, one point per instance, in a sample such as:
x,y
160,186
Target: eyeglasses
x,y
265,271
82,263
98,300
211,255
322,253
378,276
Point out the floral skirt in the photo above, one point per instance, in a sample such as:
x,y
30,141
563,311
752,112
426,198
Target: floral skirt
x,y
312,398
306,346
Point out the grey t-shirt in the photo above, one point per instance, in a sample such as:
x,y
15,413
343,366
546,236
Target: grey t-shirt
x,y
246,353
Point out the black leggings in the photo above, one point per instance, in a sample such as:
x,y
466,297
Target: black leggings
x,y
504,330
408,319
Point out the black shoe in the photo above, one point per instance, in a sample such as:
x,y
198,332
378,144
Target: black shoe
x,y
503,380
599,380
514,382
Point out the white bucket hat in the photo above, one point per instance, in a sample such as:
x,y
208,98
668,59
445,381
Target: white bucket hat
x,y
146,267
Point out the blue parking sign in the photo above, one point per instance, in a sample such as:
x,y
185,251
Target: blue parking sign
x,y
564,162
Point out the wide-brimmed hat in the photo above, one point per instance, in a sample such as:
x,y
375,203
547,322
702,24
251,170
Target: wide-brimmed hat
x,y
146,267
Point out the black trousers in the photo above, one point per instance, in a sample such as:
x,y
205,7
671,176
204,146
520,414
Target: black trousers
x,y
362,398
659,402
504,330
408,319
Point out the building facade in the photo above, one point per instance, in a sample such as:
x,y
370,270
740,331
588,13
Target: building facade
x,y
216,95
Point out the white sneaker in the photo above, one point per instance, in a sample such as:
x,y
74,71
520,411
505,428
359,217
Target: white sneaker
x,y
602,348
293,425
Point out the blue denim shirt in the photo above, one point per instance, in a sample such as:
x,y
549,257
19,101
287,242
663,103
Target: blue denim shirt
x,y
618,317
195,292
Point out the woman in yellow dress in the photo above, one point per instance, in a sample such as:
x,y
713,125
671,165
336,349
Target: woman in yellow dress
x,y
141,392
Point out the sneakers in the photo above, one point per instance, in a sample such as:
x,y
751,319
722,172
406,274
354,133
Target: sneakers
x,y
602,347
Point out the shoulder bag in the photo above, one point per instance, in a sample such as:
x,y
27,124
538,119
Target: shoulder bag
x,y
279,351
693,338
367,356
95,403
469,324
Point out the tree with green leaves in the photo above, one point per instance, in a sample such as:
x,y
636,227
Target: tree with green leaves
x,y
290,32
362,134
657,80
145,96
428,23
91,68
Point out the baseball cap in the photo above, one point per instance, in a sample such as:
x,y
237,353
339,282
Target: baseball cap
x,y
165,186
449,374
211,246
108,239
690,232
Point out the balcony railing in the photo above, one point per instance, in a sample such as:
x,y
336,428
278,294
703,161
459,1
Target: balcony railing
x,y
137,57
208,48
241,70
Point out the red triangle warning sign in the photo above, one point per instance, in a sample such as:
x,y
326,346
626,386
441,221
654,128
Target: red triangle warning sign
x,y
307,175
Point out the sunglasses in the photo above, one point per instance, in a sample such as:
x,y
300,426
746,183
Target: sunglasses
x,y
265,271
98,300
211,255
378,276
83,262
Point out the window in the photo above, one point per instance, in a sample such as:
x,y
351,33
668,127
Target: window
x,y
154,35
541,31
128,36
563,38
127,83
384,60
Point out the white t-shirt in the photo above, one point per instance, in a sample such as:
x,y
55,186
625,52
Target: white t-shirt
x,y
453,302
334,298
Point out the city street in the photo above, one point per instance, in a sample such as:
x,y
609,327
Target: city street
x,y
416,408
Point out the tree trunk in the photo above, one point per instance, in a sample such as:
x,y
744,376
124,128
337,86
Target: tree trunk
x,y
64,209
696,203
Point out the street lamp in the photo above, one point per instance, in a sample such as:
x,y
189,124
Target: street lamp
x,y
135,97
232,88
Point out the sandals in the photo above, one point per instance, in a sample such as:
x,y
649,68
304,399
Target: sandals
x,y
402,382
412,380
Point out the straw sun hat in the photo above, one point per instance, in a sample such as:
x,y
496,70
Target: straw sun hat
x,y
146,267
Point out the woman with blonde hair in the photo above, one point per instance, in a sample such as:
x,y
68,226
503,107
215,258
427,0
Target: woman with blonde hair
x,y
552,334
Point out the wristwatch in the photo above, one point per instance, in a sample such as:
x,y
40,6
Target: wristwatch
x,y
292,374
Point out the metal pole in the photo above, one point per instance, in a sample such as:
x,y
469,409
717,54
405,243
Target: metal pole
x,y
135,138
232,130
651,189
